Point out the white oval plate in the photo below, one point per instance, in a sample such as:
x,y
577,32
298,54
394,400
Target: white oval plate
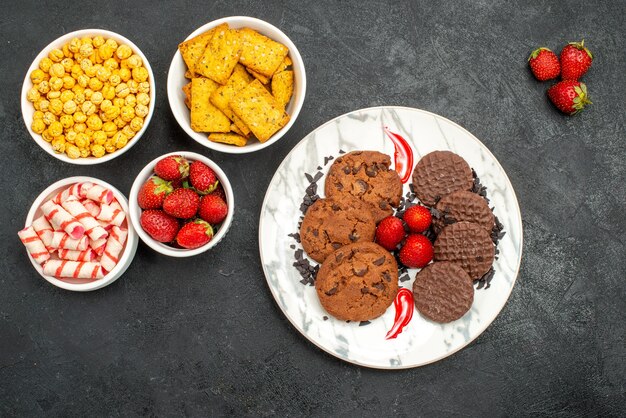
x,y
422,341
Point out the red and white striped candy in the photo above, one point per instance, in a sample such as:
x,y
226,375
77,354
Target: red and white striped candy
x,y
61,220
100,194
33,244
73,269
60,240
82,215
75,190
114,247
91,206
43,228
87,255
98,245
112,213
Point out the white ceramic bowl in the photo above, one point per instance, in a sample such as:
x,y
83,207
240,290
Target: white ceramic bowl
x,y
28,110
130,247
176,80
135,210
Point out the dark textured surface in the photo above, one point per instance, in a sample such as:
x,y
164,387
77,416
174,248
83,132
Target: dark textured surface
x,y
178,338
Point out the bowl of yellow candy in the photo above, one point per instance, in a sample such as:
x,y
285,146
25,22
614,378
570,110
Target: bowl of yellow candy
x,y
88,96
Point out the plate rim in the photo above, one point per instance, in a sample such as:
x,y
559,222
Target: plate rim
x,y
482,328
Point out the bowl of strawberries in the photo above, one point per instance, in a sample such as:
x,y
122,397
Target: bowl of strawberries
x,y
181,204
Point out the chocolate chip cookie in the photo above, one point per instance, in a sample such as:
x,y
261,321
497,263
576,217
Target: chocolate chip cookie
x,y
440,173
357,282
463,206
443,292
334,222
366,175
468,245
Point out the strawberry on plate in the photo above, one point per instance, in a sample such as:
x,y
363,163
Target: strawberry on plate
x,y
173,167
575,60
153,192
416,252
544,64
194,234
202,178
213,208
569,96
417,218
181,203
159,225
390,232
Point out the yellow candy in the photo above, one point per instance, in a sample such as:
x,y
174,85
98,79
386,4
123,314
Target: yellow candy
x,y
88,108
79,117
127,113
98,41
56,106
111,64
66,95
45,64
112,112
38,126
72,151
141,110
127,130
70,135
122,90
88,93
57,70
119,102
67,64
108,92
67,121
130,100
125,74
76,71
97,150
105,105
82,140
94,122
83,80
88,131
110,147
80,127
119,122
43,87
109,129
95,84
99,137
134,61
33,95
74,45
44,105
123,52
91,71
105,52
37,76
66,51
103,74
46,136
119,140
115,79
70,107
56,83
56,55
85,63
97,97
140,74
68,82
86,50
38,115
85,152
53,95
133,86
112,43
55,128
144,87
58,144
136,124
143,98
79,97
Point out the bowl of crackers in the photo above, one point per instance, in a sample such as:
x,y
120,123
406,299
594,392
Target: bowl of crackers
x,y
88,96
236,84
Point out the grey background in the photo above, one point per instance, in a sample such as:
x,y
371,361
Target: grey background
x,y
204,336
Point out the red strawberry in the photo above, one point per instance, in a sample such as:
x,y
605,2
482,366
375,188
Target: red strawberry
x,y
152,193
416,252
202,178
212,209
194,234
575,60
417,218
390,232
159,225
569,96
173,167
544,64
219,191
181,203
